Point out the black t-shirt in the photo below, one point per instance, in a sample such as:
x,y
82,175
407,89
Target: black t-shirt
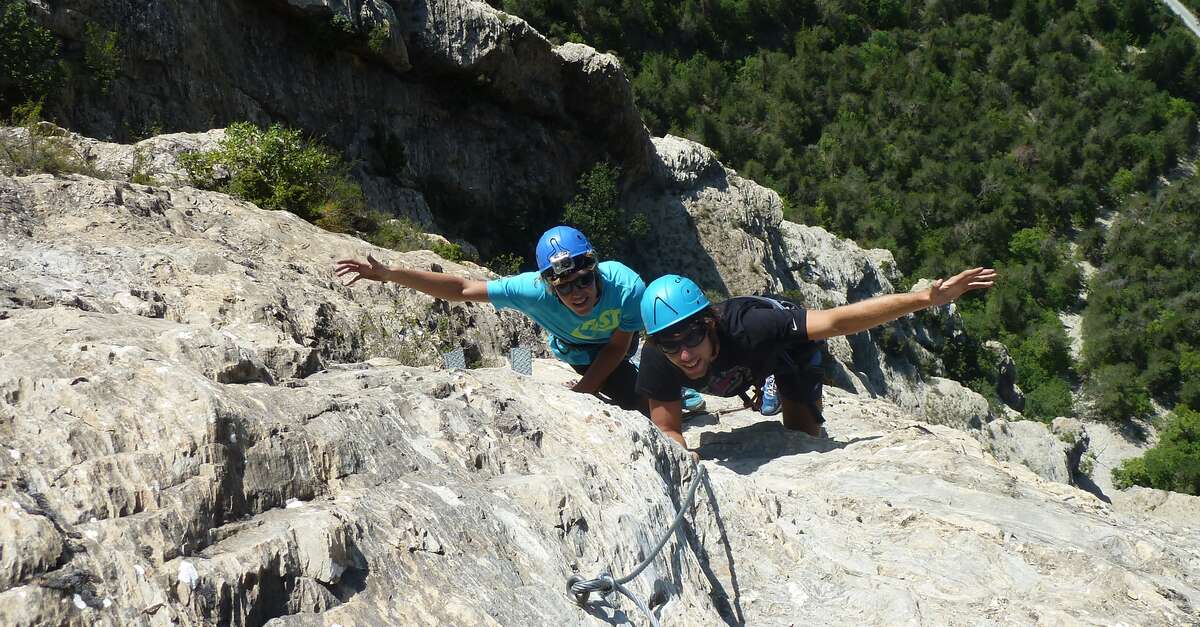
x,y
752,334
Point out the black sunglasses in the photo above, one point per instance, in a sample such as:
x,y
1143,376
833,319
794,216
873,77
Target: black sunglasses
x,y
690,338
581,282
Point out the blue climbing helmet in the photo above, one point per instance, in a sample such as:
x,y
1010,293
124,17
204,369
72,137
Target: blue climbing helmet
x,y
671,299
562,250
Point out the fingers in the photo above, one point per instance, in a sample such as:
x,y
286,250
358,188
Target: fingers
x,y
372,260
353,266
350,266
985,274
979,278
965,281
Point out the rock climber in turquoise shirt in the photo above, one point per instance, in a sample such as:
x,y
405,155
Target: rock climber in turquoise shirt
x,y
590,310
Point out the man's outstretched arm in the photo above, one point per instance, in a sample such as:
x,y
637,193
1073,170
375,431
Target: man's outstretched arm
x,y
863,315
436,284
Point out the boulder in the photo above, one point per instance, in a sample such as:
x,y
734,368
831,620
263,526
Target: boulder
x,y
1006,379
1032,444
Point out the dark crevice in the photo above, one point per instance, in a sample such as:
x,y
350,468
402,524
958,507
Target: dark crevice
x,y
278,590
245,371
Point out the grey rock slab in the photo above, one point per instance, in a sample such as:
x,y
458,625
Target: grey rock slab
x,y
1032,444
375,493
1110,446
888,521
258,283
199,501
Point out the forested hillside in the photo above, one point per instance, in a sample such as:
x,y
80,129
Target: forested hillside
x,y
952,133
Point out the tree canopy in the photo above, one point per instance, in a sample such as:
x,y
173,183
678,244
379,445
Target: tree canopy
x,y
956,134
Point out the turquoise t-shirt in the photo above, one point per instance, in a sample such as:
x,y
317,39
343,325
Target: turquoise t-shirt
x,y
575,339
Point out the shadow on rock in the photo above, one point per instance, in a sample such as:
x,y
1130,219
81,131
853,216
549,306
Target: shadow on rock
x,y
1085,483
1132,431
700,419
729,606
744,449
602,610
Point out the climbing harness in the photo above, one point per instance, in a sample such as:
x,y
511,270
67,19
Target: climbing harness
x,y
606,584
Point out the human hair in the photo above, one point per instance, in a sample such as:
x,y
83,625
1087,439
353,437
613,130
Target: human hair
x,y
709,313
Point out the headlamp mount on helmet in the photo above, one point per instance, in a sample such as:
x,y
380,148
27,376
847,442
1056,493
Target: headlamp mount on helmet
x,y
563,263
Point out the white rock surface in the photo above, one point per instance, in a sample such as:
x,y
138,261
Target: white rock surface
x,y
253,290
163,440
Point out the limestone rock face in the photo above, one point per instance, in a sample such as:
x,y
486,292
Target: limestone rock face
x,y
255,288
469,109
193,431
709,223
1031,444
1006,382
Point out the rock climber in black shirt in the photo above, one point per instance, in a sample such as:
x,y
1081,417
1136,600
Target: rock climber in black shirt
x,y
725,349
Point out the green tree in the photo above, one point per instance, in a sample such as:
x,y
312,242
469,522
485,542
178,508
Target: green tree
x,y
595,210
101,55
28,53
1117,393
1173,464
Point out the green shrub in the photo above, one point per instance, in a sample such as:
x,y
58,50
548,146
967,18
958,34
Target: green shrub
x,y
101,55
1027,244
1049,400
138,173
1173,464
1123,182
505,264
341,24
448,251
594,211
1117,394
378,39
274,168
29,71
399,234
42,148
1087,464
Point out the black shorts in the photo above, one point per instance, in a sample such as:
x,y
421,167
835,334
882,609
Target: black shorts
x,y
799,374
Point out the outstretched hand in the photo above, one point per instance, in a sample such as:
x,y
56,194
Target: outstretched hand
x,y
370,269
947,290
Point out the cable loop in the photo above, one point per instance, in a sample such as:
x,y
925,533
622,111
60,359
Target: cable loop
x,y
605,584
